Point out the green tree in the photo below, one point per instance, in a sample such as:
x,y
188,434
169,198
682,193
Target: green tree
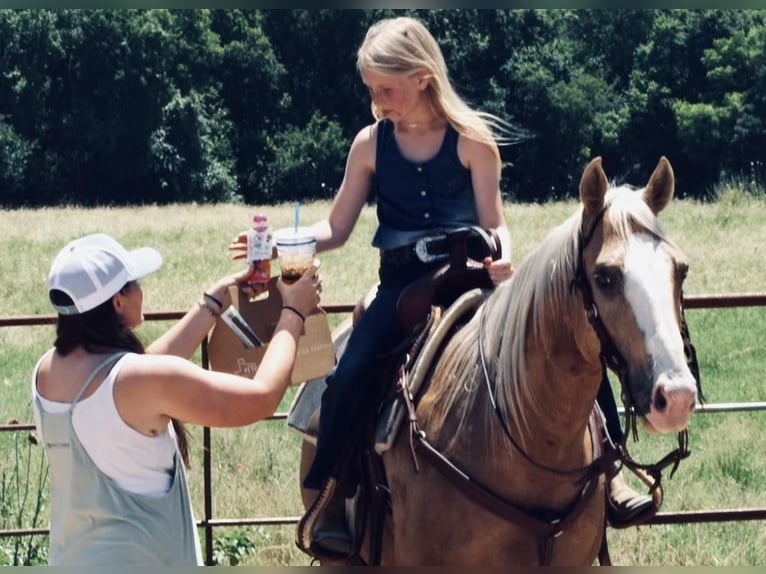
x,y
323,102
15,154
736,74
127,106
308,162
253,91
678,107
558,89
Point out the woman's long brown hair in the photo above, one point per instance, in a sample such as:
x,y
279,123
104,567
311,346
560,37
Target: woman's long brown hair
x,y
101,330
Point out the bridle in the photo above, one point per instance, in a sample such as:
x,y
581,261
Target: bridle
x,y
611,358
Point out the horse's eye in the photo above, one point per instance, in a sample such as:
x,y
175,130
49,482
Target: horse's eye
x,y
682,270
607,278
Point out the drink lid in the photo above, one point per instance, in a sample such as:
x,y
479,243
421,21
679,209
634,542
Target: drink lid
x,y
292,236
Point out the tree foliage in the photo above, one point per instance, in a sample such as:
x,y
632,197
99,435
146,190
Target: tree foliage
x,y
157,106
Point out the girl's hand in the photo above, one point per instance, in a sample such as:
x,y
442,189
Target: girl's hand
x,y
238,249
238,246
499,270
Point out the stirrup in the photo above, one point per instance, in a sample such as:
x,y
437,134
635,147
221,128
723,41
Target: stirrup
x,y
624,516
634,510
331,529
330,541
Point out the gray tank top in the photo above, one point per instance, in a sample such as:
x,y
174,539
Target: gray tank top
x,y
96,523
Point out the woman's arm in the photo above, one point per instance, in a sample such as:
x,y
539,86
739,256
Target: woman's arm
x,y
183,338
153,388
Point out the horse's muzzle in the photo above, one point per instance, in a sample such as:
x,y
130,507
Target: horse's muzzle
x,y
672,403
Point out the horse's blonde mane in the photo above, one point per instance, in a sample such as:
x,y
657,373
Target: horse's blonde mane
x,y
537,300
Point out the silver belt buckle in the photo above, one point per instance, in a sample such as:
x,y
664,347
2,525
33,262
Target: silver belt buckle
x,y
421,249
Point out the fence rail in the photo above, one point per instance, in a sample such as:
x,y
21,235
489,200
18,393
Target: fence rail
x,y
208,522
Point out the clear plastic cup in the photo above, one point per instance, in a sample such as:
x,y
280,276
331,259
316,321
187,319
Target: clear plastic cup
x,y
296,249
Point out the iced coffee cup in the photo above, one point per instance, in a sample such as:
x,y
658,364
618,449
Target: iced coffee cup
x,y
296,249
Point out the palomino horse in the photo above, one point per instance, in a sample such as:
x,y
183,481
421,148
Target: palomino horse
x,y
508,402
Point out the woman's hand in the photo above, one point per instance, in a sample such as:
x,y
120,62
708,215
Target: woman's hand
x,y
499,270
303,295
220,289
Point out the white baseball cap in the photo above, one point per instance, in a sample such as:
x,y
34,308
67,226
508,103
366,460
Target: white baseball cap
x,y
92,269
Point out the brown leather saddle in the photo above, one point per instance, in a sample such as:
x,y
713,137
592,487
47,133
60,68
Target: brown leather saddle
x,y
464,270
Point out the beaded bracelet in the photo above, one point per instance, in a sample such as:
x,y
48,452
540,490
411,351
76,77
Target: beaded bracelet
x,y
294,310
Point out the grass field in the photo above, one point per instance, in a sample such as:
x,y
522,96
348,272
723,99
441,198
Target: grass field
x,y
254,470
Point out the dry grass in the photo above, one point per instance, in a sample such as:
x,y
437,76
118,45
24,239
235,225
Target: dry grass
x,y
255,468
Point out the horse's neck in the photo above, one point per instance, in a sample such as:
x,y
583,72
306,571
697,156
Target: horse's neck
x,y
567,389
564,372
544,399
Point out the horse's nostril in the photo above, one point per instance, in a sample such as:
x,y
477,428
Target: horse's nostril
x,y
660,402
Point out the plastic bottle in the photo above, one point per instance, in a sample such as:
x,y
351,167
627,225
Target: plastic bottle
x,y
259,245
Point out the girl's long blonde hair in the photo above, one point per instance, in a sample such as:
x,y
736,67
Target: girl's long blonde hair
x,y
404,46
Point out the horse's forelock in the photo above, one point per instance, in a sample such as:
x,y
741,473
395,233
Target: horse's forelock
x,y
627,210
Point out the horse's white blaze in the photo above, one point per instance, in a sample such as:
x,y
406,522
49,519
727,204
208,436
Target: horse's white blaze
x,y
648,289
649,292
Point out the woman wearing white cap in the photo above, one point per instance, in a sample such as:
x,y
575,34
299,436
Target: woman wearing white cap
x,y
106,407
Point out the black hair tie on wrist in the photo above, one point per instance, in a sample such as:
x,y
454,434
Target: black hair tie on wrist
x,y
294,310
213,299
209,307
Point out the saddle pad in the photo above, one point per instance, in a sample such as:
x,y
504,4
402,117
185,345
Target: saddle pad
x,y
392,414
301,416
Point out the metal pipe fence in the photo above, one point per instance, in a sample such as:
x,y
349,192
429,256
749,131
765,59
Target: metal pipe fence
x,y
209,522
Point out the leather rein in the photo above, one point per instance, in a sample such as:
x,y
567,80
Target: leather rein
x,y
548,524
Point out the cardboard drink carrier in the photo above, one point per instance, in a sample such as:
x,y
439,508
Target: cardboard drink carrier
x,y
241,335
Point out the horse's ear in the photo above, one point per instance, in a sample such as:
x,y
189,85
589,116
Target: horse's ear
x,y
659,191
593,185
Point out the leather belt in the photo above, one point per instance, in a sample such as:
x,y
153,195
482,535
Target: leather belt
x,y
425,249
